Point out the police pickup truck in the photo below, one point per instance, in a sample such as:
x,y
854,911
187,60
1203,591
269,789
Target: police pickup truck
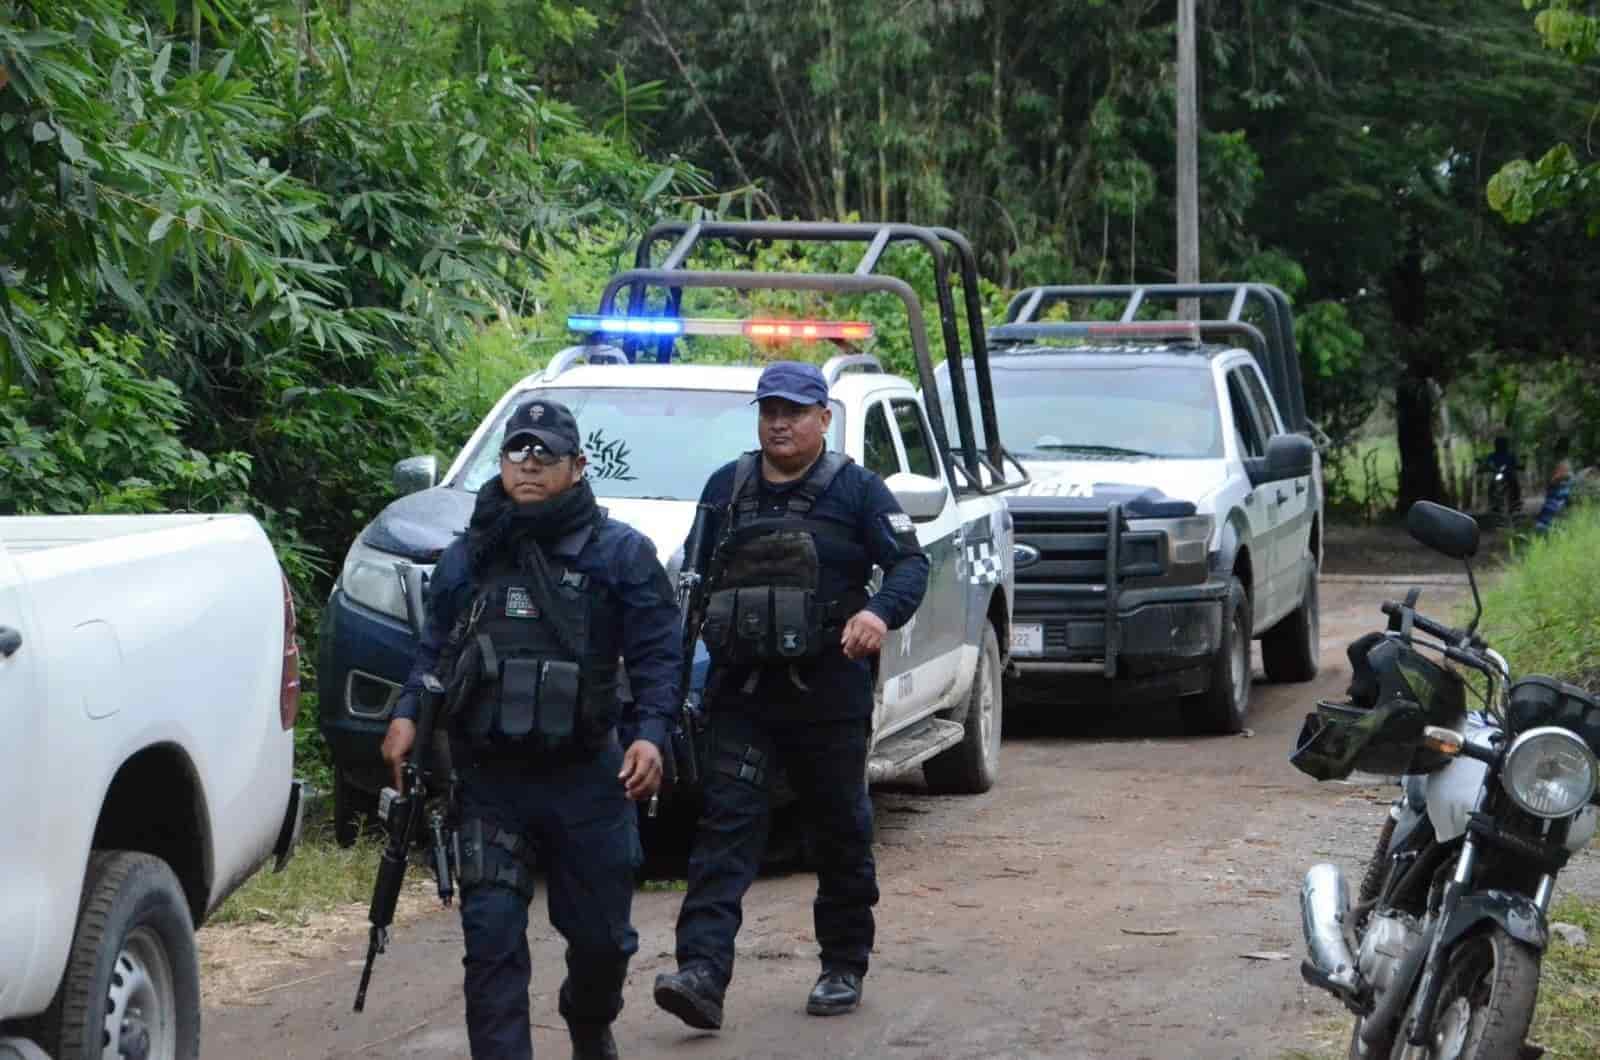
x,y
1175,508
653,433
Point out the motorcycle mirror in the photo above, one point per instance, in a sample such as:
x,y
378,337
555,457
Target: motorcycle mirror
x,y
1444,741
1445,530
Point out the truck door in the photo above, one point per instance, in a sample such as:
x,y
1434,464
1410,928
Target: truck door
x,y
21,713
913,656
1293,497
1262,506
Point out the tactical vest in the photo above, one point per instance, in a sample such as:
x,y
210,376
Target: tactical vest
x,y
763,605
536,672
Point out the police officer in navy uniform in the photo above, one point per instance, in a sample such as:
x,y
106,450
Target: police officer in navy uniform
x,y
528,613
793,636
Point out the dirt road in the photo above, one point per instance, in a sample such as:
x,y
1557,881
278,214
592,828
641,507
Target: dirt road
x,y
1123,892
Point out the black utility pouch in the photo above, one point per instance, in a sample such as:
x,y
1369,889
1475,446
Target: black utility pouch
x,y
519,697
793,623
558,700
717,628
753,625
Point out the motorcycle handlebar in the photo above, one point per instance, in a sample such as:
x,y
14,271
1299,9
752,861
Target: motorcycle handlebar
x,y
1445,633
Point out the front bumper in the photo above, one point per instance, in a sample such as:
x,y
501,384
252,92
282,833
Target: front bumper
x,y
363,658
1157,640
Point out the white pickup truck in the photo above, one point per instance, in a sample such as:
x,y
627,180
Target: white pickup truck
x,y
148,691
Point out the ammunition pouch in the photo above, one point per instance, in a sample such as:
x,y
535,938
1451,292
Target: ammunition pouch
x,y
494,857
525,703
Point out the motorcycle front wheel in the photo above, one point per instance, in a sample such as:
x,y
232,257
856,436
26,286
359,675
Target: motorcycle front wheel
x,y
1491,983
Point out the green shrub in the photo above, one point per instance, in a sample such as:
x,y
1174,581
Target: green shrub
x,y
1541,613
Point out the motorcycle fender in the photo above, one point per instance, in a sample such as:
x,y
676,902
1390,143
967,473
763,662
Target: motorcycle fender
x,y
1515,913
1405,826
1452,793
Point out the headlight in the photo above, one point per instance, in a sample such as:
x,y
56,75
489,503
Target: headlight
x,y
1549,772
370,579
1188,538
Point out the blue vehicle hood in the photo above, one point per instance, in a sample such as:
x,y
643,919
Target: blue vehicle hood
x,y
419,525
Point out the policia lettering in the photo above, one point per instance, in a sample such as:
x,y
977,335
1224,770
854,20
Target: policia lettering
x,y
762,605
527,680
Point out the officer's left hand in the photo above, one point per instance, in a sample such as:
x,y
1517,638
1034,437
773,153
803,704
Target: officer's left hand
x,y
863,635
641,770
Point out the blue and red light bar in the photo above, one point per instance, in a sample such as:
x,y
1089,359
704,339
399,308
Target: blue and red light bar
x,y
768,330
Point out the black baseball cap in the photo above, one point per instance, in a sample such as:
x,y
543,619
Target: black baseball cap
x,y
548,422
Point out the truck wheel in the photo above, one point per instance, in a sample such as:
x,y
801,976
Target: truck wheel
x,y
1222,707
1289,650
132,984
352,809
972,766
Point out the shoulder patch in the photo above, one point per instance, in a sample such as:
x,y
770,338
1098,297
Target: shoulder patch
x,y
900,523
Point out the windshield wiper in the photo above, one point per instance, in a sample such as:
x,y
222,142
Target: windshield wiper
x,y
1112,450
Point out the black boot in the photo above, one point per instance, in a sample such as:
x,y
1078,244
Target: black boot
x,y
836,992
592,1041
693,995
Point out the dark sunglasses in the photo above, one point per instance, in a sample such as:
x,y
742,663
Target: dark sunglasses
x,y
520,453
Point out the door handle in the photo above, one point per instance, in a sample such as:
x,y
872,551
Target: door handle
x,y
10,641
1282,497
1299,487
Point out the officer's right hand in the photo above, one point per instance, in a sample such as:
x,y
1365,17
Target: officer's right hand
x,y
397,744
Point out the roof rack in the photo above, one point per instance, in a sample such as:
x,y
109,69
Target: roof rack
x,y
860,362
1277,356
878,236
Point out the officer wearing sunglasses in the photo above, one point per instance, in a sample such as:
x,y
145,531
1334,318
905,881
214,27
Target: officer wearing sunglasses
x,y
527,615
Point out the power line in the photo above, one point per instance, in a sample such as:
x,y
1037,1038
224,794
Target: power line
x,y
1382,16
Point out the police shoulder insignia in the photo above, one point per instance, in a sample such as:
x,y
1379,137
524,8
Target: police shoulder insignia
x,y
900,523
519,603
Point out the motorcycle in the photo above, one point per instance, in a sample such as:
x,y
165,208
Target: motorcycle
x,y
1439,956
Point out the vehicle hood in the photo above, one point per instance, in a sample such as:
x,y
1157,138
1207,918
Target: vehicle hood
x,y
418,526
1100,482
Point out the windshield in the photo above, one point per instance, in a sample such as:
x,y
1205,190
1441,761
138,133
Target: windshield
x,y
1145,410
645,443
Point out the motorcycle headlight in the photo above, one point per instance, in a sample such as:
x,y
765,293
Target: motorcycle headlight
x,y
370,579
1188,538
1549,772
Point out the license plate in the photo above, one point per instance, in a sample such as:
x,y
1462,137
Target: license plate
x,y
1027,639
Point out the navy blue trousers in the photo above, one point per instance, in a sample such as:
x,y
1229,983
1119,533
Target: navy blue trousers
x,y
825,763
587,835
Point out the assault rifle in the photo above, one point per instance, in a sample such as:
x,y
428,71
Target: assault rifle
x,y
691,613
428,793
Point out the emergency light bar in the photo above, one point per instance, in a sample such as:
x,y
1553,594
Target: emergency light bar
x,y
1179,330
752,329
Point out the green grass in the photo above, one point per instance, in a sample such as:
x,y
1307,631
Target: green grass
x,y
1567,1022
1541,613
319,878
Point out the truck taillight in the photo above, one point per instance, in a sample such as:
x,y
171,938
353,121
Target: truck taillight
x,y
289,686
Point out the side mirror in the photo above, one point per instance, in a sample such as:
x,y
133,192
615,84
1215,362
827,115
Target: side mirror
x,y
1288,456
415,473
1445,530
921,497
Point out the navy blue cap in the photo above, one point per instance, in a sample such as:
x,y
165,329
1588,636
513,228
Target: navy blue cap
x,y
549,422
794,381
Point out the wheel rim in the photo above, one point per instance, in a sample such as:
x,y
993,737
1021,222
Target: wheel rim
x,y
1464,1001
141,1004
1239,663
988,730
1314,616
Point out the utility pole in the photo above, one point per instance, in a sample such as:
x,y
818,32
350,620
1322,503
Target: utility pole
x,y
1188,179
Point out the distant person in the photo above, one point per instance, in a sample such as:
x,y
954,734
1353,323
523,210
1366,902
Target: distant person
x,y
1504,460
1558,489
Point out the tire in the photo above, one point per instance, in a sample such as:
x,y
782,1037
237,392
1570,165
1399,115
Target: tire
x,y
1223,706
1378,867
353,810
132,964
1289,650
972,766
